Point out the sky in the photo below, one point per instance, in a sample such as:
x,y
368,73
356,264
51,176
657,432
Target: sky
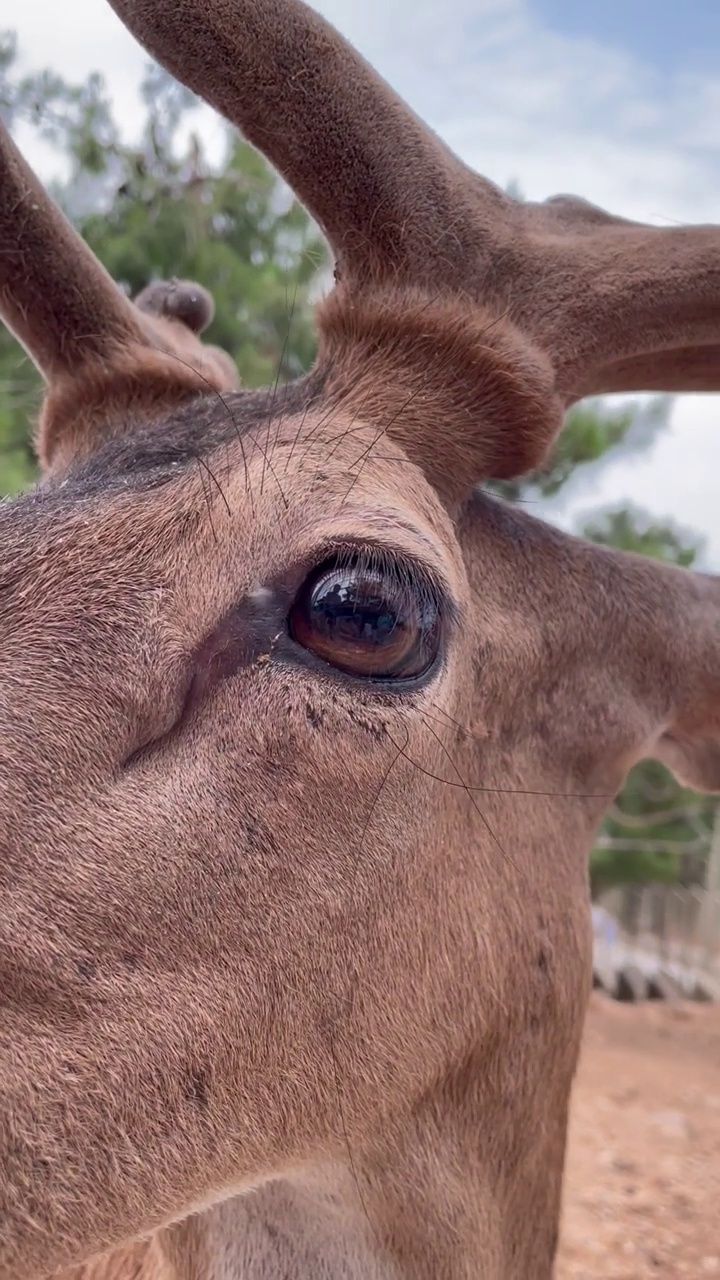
x,y
614,100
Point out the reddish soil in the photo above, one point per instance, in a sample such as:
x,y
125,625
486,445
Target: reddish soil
x,y
642,1191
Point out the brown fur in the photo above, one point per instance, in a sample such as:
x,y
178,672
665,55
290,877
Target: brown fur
x,y
293,971
137,383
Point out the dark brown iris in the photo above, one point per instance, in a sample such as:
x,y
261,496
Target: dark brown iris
x,y
366,621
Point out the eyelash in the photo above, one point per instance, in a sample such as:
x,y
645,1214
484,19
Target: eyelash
x,y
372,557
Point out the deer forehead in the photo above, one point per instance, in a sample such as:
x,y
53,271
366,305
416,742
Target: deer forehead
x,y
218,487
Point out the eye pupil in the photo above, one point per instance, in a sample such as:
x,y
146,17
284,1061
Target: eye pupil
x,y
352,611
366,621
353,614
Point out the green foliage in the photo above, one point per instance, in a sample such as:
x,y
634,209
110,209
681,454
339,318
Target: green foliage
x,y
616,865
19,396
593,434
657,832
158,209
636,530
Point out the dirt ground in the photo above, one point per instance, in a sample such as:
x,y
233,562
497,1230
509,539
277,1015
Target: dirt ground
x,y
642,1192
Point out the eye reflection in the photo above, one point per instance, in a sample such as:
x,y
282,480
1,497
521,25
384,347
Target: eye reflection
x,y
368,619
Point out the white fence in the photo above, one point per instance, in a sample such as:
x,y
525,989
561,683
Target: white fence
x,y
658,941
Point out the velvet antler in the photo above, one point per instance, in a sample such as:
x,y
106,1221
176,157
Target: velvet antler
x,y
101,355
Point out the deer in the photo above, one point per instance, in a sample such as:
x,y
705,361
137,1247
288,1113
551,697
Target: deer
x,y
304,734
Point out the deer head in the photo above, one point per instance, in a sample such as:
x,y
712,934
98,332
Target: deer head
x,y
303,738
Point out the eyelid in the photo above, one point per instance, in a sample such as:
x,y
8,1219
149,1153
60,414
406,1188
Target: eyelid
x,y
418,571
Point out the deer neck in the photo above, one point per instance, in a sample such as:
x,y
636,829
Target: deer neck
x,y
453,1205
305,1226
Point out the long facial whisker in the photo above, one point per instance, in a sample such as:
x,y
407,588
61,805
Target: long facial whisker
x,y
469,792
517,791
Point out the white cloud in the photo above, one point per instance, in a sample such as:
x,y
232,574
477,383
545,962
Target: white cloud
x,y
680,480
515,101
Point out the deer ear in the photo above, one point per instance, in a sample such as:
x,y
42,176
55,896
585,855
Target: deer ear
x,y
682,644
695,764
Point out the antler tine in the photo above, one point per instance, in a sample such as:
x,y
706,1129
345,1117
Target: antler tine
x,y
619,305
54,295
389,195
681,369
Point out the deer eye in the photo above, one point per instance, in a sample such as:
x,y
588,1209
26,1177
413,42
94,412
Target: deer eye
x,y
368,620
